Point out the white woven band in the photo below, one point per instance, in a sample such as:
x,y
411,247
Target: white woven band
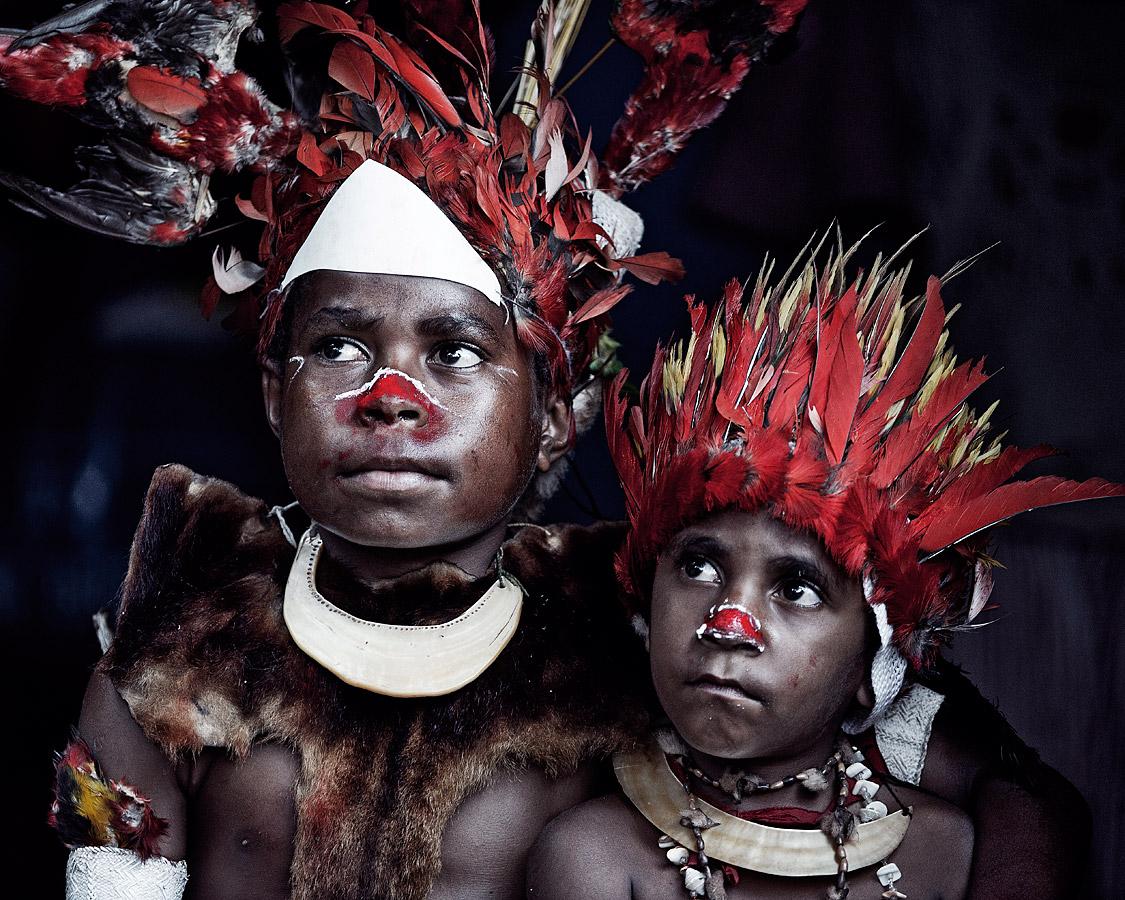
x,y
110,873
888,667
903,733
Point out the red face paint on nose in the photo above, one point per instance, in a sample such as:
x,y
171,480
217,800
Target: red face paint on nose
x,y
732,626
395,399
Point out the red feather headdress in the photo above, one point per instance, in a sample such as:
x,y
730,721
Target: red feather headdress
x,y
805,397
414,97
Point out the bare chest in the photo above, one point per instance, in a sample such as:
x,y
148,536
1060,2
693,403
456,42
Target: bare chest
x,y
485,845
243,821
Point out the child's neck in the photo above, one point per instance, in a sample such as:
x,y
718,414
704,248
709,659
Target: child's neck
x,y
372,564
770,768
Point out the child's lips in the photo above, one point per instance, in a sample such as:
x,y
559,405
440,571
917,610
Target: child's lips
x,y
391,480
724,687
393,474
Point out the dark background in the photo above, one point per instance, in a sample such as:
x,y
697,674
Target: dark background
x,y
989,121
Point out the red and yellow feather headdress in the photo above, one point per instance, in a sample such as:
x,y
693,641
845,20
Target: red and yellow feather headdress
x,y
837,404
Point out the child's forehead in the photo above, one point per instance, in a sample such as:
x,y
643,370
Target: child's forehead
x,y
754,530
403,298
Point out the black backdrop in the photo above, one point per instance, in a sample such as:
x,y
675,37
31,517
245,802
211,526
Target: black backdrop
x,y
993,120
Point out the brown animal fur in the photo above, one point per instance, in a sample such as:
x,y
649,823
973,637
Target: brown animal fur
x,y
203,659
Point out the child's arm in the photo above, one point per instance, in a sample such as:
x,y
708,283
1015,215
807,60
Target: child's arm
x,y
1032,826
124,754
118,805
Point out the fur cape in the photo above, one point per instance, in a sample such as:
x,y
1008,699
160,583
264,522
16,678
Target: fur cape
x,y
203,659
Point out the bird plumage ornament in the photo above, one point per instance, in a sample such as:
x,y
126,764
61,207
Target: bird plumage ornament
x,y
696,54
408,88
159,78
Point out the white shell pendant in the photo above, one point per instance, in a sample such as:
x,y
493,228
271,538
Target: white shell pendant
x,y
871,811
665,842
859,771
888,874
866,790
695,882
678,856
397,660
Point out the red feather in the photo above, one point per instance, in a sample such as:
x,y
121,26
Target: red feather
x,y
422,82
293,17
354,69
651,268
602,302
911,367
981,479
693,66
906,441
1010,500
165,93
55,71
792,382
840,390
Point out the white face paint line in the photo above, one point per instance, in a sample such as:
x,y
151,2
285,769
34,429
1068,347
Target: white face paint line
x,y
300,361
506,373
368,385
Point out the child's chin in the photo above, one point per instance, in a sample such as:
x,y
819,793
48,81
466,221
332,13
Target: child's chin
x,y
395,533
725,740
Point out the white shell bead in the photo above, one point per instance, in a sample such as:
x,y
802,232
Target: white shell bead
x,y
665,842
859,771
876,809
866,789
695,882
888,874
677,856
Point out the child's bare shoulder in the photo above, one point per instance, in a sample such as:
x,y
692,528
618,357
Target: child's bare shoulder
x,y
604,835
934,824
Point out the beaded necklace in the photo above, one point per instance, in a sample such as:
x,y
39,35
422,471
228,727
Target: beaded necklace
x,y
839,823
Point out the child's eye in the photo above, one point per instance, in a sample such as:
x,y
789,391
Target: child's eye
x,y
800,593
699,568
457,356
338,349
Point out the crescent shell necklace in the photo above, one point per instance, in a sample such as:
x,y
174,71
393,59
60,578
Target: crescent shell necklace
x,y
398,660
654,790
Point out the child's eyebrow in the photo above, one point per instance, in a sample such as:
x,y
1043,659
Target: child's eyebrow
x,y
809,567
451,324
350,317
698,542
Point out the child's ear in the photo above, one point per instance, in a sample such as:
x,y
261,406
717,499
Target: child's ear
x,y
554,439
271,394
865,694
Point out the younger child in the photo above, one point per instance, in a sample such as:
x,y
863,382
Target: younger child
x,y
807,500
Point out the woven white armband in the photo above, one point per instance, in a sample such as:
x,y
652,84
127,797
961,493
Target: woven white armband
x,y
110,873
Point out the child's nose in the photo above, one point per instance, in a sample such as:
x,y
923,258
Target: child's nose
x,y
393,409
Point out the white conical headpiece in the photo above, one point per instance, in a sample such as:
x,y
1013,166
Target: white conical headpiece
x,y
380,223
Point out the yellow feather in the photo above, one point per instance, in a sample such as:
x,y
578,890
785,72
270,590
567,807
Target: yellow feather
x,y
719,349
92,801
894,328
